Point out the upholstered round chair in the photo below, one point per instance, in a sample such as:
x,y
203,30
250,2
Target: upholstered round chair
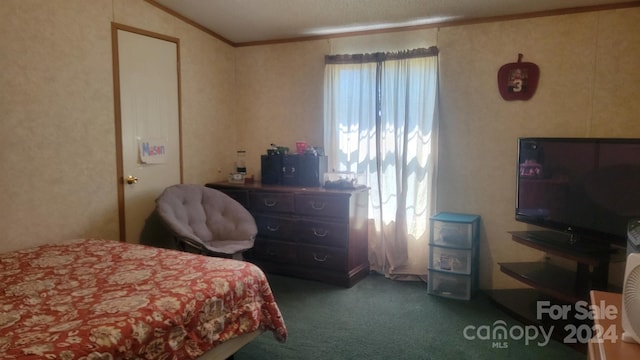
x,y
206,221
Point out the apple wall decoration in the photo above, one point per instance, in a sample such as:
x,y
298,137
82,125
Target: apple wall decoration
x,y
519,80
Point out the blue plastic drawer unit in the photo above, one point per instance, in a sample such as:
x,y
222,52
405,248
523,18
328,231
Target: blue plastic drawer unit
x,y
453,255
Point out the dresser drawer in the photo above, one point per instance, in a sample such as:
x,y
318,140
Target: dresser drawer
x,y
280,227
323,257
322,233
271,201
275,251
322,205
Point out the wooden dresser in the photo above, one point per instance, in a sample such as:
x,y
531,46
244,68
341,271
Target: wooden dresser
x,y
307,232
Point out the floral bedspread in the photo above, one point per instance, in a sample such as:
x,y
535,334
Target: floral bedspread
x,y
100,299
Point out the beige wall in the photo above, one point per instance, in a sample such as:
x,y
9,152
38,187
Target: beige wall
x,y
280,88
588,80
279,97
57,130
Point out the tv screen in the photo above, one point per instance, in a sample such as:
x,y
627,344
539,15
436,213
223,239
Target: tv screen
x,y
585,187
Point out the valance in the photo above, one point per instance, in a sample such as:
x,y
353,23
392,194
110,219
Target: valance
x,y
380,56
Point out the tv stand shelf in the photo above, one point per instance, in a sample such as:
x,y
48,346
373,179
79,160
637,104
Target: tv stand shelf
x,y
552,283
560,244
547,278
592,261
521,305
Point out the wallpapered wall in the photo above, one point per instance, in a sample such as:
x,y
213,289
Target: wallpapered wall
x,y
57,136
57,129
588,80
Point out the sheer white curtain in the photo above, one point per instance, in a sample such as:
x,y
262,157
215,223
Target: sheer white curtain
x,y
350,117
380,118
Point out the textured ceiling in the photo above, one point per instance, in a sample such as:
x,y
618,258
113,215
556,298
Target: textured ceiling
x,y
246,21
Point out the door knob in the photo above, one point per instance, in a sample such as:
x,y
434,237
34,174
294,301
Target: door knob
x,y
131,179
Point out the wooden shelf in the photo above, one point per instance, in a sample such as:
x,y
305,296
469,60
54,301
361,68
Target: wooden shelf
x,y
553,280
592,264
552,283
521,304
559,244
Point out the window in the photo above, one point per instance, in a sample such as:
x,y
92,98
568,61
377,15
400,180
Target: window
x,y
380,111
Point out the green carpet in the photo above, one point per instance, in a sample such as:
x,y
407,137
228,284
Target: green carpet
x,y
380,318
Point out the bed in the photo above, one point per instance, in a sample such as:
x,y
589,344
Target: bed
x,y
102,299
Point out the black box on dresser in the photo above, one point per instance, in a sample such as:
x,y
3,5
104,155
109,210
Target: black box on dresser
x,y
293,170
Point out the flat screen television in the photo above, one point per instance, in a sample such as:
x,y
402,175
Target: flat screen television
x,y
586,188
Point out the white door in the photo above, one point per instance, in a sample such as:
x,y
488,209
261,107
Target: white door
x,y
148,77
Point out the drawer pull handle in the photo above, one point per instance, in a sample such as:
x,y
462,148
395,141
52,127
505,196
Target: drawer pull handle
x,y
320,233
315,205
320,259
273,227
270,203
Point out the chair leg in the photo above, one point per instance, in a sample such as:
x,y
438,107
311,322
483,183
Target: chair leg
x,y
180,245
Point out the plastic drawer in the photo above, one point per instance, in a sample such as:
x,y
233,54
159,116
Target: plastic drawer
x,y
452,234
451,260
449,285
